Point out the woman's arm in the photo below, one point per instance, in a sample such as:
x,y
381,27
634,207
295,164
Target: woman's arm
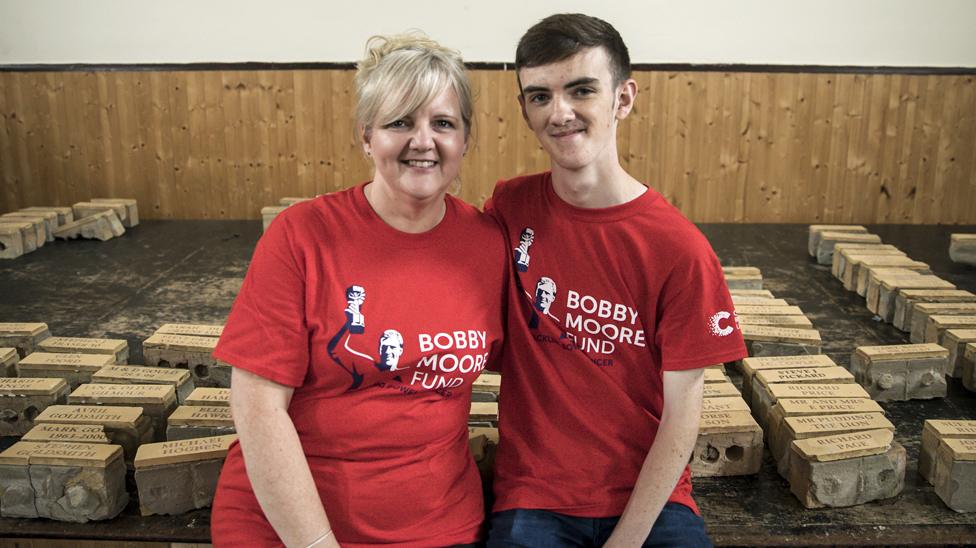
x,y
275,461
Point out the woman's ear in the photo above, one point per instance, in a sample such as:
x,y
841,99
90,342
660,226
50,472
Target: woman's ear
x,y
365,133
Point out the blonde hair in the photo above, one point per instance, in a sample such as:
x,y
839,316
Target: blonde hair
x,y
402,73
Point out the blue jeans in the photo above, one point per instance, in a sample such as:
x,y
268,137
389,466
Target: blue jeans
x,y
677,525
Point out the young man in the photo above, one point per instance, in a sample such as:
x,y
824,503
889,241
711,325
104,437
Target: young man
x,y
603,383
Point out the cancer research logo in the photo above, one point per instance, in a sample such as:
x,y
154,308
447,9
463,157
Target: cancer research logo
x,y
719,324
390,344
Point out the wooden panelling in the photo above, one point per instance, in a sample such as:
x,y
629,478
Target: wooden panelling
x,y
723,147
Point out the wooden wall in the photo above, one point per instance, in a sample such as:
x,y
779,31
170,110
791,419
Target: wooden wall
x,y
724,147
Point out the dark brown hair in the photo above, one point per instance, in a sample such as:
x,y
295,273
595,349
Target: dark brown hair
x,y
563,35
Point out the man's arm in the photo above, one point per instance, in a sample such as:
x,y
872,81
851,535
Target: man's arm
x,y
275,461
667,458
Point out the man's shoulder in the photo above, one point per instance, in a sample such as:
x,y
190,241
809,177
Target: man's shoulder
x,y
509,189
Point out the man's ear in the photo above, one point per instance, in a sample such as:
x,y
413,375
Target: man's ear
x,y
521,100
626,95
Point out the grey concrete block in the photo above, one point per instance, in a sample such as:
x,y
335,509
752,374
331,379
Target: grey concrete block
x,y
23,336
78,482
954,475
848,482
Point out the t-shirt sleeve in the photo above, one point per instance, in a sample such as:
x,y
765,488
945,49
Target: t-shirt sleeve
x,y
696,318
266,332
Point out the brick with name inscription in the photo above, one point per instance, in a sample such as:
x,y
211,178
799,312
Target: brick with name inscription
x,y
955,341
815,233
906,299
17,499
78,482
954,474
922,311
8,362
868,277
889,289
124,425
22,400
846,261
138,374
209,396
800,427
748,367
192,329
847,469
729,443
901,372
157,401
937,325
75,369
74,433
175,477
117,348
780,341
825,247
193,353
188,422
855,263
933,432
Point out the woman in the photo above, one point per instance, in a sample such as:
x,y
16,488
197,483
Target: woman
x,y
363,320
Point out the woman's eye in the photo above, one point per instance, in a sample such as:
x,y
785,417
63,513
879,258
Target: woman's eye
x,y
397,124
444,124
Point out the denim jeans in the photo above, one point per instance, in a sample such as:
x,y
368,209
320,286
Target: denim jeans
x,y
677,525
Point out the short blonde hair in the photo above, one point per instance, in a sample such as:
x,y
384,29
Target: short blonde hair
x,y
402,73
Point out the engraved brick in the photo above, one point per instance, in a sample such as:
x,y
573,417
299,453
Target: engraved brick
x,y
38,227
8,362
870,276
11,242
844,270
804,407
821,391
721,390
219,397
744,279
933,432
188,352
906,299
800,427
901,372
22,400
749,366
780,341
179,379
792,322
825,248
157,401
125,426
192,329
715,375
740,300
815,233
955,474
75,369
855,263
103,226
483,412
174,477
67,433
921,312
78,481
763,380
17,498
23,336
487,382
762,293
937,324
199,422
131,211
65,214
846,470
955,340
724,405
729,444
117,348
888,290
962,248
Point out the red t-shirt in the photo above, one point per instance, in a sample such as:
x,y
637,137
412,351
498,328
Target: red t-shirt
x,y
381,333
605,300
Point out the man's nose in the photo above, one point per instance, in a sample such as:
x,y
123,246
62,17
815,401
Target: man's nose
x,y
562,111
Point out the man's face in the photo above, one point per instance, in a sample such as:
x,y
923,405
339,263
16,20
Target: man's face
x,y
528,236
544,296
391,348
572,107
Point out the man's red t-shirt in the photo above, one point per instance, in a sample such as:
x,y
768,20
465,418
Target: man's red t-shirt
x,y
604,301
381,333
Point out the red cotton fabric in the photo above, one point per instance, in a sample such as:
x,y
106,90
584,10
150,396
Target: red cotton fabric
x,y
604,301
381,333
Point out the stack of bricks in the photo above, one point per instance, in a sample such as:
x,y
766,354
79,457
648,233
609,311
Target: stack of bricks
x,y
770,326
962,249
174,477
205,413
894,286
24,337
730,443
823,239
947,460
188,346
268,213
100,219
901,372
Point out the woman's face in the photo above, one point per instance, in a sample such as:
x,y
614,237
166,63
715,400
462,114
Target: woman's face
x,y
418,156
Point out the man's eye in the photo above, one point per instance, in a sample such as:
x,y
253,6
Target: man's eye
x,y
584,91
538,98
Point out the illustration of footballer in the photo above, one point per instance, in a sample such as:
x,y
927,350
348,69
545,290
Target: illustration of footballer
x,y
390,345
522,251
545,295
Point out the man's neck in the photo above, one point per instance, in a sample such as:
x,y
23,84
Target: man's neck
x,y
596,186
